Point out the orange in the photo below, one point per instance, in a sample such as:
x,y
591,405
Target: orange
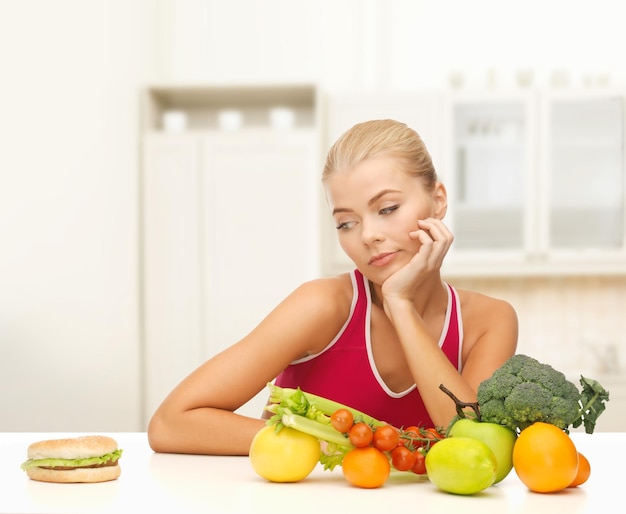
x,y
366,467
584,470
545,458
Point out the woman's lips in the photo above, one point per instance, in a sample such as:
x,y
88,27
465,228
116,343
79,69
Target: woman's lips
x,y
382,259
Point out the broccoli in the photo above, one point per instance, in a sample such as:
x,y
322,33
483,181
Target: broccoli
x,y
524,390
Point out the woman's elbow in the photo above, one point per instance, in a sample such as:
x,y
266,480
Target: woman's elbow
x,y
157,434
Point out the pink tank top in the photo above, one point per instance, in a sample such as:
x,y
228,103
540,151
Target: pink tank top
x,y
345,370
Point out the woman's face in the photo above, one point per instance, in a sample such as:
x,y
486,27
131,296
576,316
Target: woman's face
x,y
375,205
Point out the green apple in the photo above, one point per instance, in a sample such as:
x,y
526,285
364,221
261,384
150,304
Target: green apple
x,y
461,465
499,438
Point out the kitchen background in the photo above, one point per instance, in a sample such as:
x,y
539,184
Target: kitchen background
x,y
114,282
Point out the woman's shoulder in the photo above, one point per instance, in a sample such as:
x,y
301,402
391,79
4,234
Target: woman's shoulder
x,y
326,303
490,326
477,305
329,293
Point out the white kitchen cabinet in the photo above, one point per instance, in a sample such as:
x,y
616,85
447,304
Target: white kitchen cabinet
x,y
583,173
419,110
536,183
536,178
172,328
491,162
230,222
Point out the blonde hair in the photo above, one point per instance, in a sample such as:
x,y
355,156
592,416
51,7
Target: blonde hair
x,y
379,138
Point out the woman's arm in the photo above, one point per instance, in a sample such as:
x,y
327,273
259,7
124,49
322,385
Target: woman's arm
x,y
198,415
496,324
490,326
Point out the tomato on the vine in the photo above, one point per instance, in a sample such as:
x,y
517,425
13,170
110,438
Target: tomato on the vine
x,y
386,437
407,435
436,433
402,458
419,467
412,431
426,437
361,434
342,420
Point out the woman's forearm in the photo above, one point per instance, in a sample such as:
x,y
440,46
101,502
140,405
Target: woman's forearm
x,y
428,364
204,430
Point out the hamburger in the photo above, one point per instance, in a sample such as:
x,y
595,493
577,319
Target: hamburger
x,y
81,459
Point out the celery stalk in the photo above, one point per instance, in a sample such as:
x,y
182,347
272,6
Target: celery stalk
x,y
311,414
294,398
315,428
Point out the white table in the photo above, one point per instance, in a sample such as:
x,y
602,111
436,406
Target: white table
x,y
192,483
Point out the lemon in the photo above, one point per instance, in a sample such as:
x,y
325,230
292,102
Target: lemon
x,y
286,456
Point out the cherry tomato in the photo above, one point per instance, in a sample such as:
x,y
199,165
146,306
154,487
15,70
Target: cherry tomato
x,y
407,435
386,438
361,434
419,467
402,458
412,431
434,435
342,420
426,438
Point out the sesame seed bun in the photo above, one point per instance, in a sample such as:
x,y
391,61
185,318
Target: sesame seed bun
x,y
73,448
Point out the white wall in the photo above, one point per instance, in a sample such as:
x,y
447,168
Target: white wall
x,y
70,331
393,44
69,305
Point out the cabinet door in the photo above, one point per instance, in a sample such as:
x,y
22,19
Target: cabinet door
x,y
584,178
171,263
230,229
259,229
491,160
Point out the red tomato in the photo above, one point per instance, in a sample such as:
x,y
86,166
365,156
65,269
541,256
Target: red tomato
x,y
361,434
427,437
407,435
342,420
412,431
435,433
419,467
386,438
402,458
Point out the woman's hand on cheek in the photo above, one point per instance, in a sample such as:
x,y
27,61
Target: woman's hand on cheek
x,y
435,240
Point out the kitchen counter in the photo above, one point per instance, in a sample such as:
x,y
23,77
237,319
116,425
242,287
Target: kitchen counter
x,y
195,483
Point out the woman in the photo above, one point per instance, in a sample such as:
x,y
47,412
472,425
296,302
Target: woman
x,y
381,338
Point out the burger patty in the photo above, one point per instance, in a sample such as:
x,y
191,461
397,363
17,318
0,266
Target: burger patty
x,y
64,468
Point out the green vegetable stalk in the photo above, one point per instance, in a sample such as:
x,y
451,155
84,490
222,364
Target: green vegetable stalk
x,y
310,414
311,405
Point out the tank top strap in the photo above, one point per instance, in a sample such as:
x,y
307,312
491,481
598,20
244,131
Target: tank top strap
x,y
453,329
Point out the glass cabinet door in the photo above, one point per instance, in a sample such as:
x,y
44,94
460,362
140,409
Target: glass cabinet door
x,y
490,163
585,170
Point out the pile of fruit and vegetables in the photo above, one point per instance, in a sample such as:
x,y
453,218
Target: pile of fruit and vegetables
x,y
520,422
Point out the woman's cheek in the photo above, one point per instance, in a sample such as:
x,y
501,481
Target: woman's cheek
x,y
348,245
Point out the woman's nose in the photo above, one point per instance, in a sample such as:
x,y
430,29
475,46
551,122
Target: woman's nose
x,y
370,233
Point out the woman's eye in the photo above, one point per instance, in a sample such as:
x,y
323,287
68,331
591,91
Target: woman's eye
x,y
344,226
388,210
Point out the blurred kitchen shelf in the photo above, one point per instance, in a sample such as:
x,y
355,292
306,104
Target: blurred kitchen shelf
x,y
516,268
201,105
